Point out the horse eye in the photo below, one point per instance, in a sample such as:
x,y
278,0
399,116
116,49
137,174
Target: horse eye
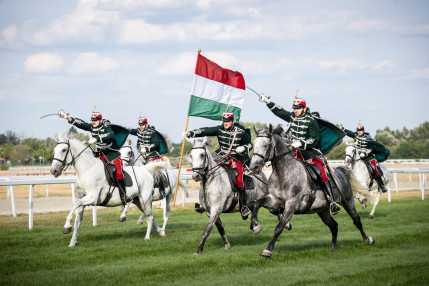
x,y
63,150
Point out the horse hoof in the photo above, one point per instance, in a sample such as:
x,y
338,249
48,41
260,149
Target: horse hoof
x,y
198,253
371,216
147,238
122,219
162,233
67,230
288,226
257,229
370,240
227,246
72,245
266,253
140,221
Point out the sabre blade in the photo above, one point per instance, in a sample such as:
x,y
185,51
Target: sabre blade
x,y
48,115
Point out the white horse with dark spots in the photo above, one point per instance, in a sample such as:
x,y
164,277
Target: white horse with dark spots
x,y
91,178
293,191
366,189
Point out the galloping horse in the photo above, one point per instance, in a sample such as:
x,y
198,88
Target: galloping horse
x,y
91,178
366,189
129,159
216,194
293,191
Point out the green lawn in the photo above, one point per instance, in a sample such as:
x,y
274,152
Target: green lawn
x,y
116,254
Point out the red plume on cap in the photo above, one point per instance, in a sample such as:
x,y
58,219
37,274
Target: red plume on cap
x,y
228,116
96,116
142,120
299,103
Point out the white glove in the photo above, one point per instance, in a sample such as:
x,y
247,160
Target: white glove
x,y
240,149
362,154
265,99
63,114
296,144
143,149
92,140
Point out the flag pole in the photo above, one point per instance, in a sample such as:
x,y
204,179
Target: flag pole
x,y
182,150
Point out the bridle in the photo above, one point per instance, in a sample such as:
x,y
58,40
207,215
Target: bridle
x,y
64,163
270,150
203,170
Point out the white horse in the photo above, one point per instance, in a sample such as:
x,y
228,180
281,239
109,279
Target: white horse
x,y
361,180
129,159
92,179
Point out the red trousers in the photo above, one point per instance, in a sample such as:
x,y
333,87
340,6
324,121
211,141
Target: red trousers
x,y
315,161
119,172
375,168
239,168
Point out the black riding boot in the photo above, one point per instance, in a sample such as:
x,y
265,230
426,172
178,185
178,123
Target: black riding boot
x,y
122,191
333,206
380,184
242,202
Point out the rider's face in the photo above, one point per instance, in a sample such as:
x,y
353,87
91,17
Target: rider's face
x,y
143,126
228,124
298,111
95,123
360,132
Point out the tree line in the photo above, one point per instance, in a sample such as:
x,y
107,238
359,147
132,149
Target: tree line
x,y
403,144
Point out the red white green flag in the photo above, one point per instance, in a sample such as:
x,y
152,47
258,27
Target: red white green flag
x,y
216,90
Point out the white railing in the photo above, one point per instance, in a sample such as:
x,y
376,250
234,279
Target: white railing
x,y
32,181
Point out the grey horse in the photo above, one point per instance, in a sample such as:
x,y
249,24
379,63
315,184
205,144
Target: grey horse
x,y
293,191
216,194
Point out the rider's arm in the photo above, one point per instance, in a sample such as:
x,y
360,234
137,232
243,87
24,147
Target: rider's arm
x,y
279,111
206,131
79,123
133,131
349,133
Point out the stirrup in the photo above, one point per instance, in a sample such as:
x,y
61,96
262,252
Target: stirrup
x,y
199,209
334,208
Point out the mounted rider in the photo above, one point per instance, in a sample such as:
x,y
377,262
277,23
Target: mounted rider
x,y
371,152
305,133
108,139
151,146
150,143
234,145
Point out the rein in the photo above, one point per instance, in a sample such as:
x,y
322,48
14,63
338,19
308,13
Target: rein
x,y
271,148
64,163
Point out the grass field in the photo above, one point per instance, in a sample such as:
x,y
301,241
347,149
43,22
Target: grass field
x,y
116,254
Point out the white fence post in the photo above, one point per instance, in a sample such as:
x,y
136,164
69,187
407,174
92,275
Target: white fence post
x,y
12,200
389,195
395,180
73,192
30,208
94,215
422,185
47,191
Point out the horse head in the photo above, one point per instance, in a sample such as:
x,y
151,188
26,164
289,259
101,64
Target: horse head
x,y
199,158
62,155
350,156
262,148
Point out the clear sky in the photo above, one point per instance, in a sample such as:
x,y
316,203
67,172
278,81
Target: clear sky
x,y
351,60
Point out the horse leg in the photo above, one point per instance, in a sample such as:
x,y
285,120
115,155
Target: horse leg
x,y
221,230
283,220
255,227
165,214
288,225
375,201
67,224
351,210
327,219
123,216
214,215
77,222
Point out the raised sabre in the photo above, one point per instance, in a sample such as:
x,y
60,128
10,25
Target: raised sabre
x,y
48,115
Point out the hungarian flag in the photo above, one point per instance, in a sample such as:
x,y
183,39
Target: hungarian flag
x,y
216,90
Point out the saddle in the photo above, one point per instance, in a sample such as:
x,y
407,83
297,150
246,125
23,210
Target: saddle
x,y
109,170
248,181
314,173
